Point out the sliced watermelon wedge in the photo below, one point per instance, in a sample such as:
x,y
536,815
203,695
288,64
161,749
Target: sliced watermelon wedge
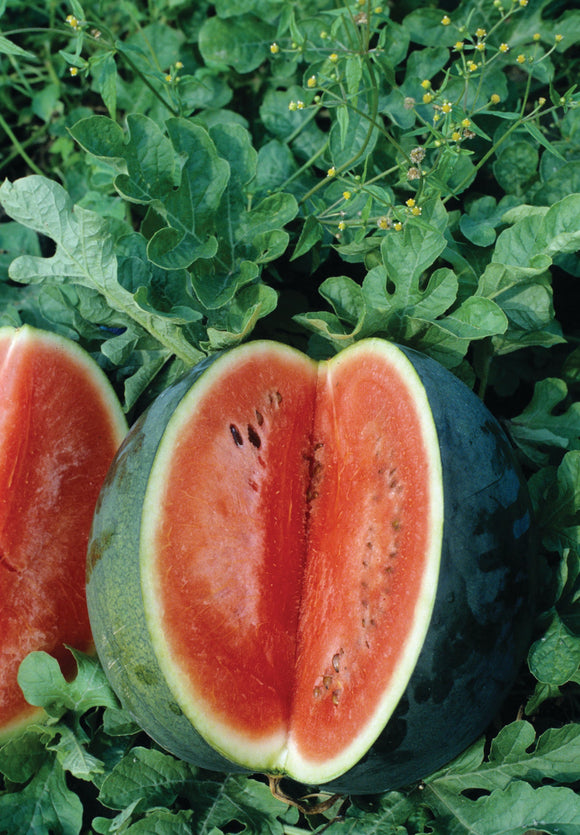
x,y
60,426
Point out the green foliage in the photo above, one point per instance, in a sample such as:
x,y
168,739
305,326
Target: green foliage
x,y
180,177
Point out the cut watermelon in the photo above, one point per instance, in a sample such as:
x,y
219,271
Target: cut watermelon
x,y
60,426
269,548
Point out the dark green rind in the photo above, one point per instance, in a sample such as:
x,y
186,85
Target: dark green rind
x,y
114,589
481,625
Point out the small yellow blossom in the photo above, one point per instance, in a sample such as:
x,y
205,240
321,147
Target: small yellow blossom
x,y
494,98
347,195
459,45
426,84
541,101
504,47
73,21
558,38
331,171
466,123
481,33
179,65
521,58
73,71
333,57
168,77
311,81
480,46
455,136
436,117
323,35
416,211
536,36
427,98
274,48
471,66
378,10
384,223
446,107
300,105
342,226
523,3
398,226
445,20
410,202
292,106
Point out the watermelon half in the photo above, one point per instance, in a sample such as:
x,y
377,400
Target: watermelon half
x,y
313,569
60,426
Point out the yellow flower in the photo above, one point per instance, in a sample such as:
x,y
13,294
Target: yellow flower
x,y
73,71
274,48
523,2
504,47
445,20
342,226
541,101
446,107
427,98
311,81
384,223
466,123
410,202
481,33
458,45
480,46
292,106
333,57
471,66
416,210
73,21
495,99
558,38
331,171
455,136
426,84
521,58
179,65
536,36
347,195
168,77
300,105
398,226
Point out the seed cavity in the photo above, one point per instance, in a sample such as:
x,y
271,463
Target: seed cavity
x,y
253,437
335,697
238,440
259,418
336,662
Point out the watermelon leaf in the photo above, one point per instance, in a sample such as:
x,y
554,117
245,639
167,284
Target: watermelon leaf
x,y
42,806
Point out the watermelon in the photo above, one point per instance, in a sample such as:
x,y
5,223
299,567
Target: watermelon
x,y
60,426
318,570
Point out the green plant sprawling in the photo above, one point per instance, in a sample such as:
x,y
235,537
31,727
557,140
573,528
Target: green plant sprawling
x,y
180,176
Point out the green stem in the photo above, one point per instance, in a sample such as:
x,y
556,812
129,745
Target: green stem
x,y
19,147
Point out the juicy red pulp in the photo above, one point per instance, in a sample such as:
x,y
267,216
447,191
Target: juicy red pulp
x,y
290,545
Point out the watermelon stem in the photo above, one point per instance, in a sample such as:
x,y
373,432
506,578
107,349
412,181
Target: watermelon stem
x,y
306,808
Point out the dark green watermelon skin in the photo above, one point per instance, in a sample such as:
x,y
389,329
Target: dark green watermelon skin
x,y
482,620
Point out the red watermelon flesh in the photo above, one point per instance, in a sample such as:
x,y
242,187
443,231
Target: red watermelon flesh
x,y
290,546
60,426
